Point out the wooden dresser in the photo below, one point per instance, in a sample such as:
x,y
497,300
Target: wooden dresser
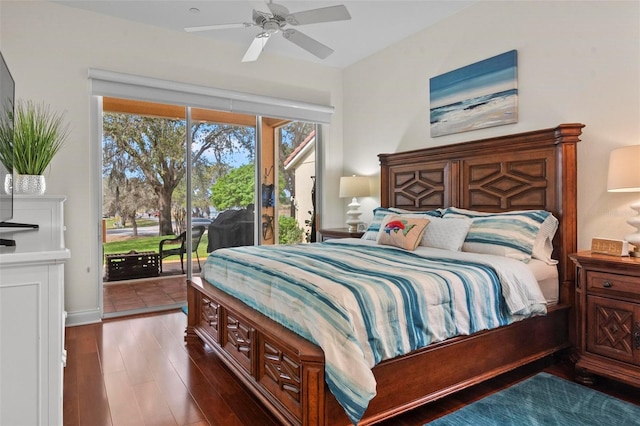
x,y
32,316
608,317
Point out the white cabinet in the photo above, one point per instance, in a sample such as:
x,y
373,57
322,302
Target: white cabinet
x,y
32,316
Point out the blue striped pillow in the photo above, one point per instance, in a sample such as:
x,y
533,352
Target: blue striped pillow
x,y
380,213
510,234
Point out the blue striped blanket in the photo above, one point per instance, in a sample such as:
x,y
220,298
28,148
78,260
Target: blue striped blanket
x,y
363,303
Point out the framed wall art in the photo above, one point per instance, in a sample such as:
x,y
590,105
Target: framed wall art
x,y
480,95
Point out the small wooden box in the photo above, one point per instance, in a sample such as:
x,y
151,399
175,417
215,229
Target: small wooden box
x,y
126,266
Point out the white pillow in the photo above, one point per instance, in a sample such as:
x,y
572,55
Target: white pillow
x,y
447,234
543,247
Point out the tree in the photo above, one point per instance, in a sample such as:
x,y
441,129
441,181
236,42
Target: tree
x,y
132,196
153,150
235,189
203,174
289,233
123,195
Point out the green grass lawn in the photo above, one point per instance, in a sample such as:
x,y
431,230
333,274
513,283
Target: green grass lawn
x,y
141,244
141,222
148,244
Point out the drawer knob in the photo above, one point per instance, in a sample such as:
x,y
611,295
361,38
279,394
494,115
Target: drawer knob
x,y
607,284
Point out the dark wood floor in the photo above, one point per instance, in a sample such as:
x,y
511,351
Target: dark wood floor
x,y
138,371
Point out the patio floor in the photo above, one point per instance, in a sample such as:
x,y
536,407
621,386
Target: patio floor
x,y
129,297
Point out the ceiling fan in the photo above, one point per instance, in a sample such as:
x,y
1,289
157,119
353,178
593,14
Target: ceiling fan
x,y
276,19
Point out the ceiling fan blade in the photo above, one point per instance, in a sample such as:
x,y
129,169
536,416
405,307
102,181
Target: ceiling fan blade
x,y
256,46
278,9
314,16
259,5
219,27
307,43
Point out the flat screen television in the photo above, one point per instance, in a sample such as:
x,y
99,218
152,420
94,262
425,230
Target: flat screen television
x,y
7,96
7,99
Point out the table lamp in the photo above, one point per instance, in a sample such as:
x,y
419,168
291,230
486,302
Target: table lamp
x,y
354,186
624,176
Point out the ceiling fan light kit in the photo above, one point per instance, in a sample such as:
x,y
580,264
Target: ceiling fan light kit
x,y
275,22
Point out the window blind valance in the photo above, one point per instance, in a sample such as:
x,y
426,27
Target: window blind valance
x,y
127,86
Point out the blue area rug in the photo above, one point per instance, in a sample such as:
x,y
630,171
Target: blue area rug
x,y
545,399
185,309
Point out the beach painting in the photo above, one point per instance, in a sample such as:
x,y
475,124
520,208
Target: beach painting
x,y
480,95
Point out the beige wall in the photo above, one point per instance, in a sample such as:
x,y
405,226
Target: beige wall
x,y
49,49
578,61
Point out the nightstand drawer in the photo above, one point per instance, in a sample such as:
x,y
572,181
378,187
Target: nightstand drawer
x,y
612,329
607,283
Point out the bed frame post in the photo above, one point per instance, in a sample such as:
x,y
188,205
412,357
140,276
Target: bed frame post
x,y
567,136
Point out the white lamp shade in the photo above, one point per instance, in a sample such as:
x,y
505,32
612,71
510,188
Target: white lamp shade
x,y
354,186
624,169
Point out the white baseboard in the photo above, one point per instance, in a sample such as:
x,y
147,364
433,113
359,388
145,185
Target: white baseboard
x,y
83,317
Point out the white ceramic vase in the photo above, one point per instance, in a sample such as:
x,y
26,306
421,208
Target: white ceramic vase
x,y
28,184
8,184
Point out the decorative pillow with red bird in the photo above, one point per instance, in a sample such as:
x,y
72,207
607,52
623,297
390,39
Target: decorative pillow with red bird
x,y
403,232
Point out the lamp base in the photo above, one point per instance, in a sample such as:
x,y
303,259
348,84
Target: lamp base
x,y
353,228
634,238
353,215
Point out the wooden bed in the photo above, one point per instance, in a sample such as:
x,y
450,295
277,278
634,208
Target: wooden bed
x,y
532,170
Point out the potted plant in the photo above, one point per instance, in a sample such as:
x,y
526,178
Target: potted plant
x,y
28,147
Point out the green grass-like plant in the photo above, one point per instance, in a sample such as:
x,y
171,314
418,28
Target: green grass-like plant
x,y
38,134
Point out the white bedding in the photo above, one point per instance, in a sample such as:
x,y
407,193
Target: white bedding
x,y
548,280
545,274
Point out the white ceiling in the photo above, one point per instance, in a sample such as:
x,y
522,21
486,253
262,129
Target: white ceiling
x,y
374,25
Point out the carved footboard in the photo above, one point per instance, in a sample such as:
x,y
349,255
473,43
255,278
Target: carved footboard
x,y
252,345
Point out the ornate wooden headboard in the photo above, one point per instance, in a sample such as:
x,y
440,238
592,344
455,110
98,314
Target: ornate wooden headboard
x,y
532,170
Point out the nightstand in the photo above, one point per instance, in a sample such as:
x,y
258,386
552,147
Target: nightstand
x,y
607,317
330,233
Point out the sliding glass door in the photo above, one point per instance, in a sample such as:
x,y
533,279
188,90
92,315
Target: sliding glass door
x,y
173,154
251,179
223,185
295,158
143,166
